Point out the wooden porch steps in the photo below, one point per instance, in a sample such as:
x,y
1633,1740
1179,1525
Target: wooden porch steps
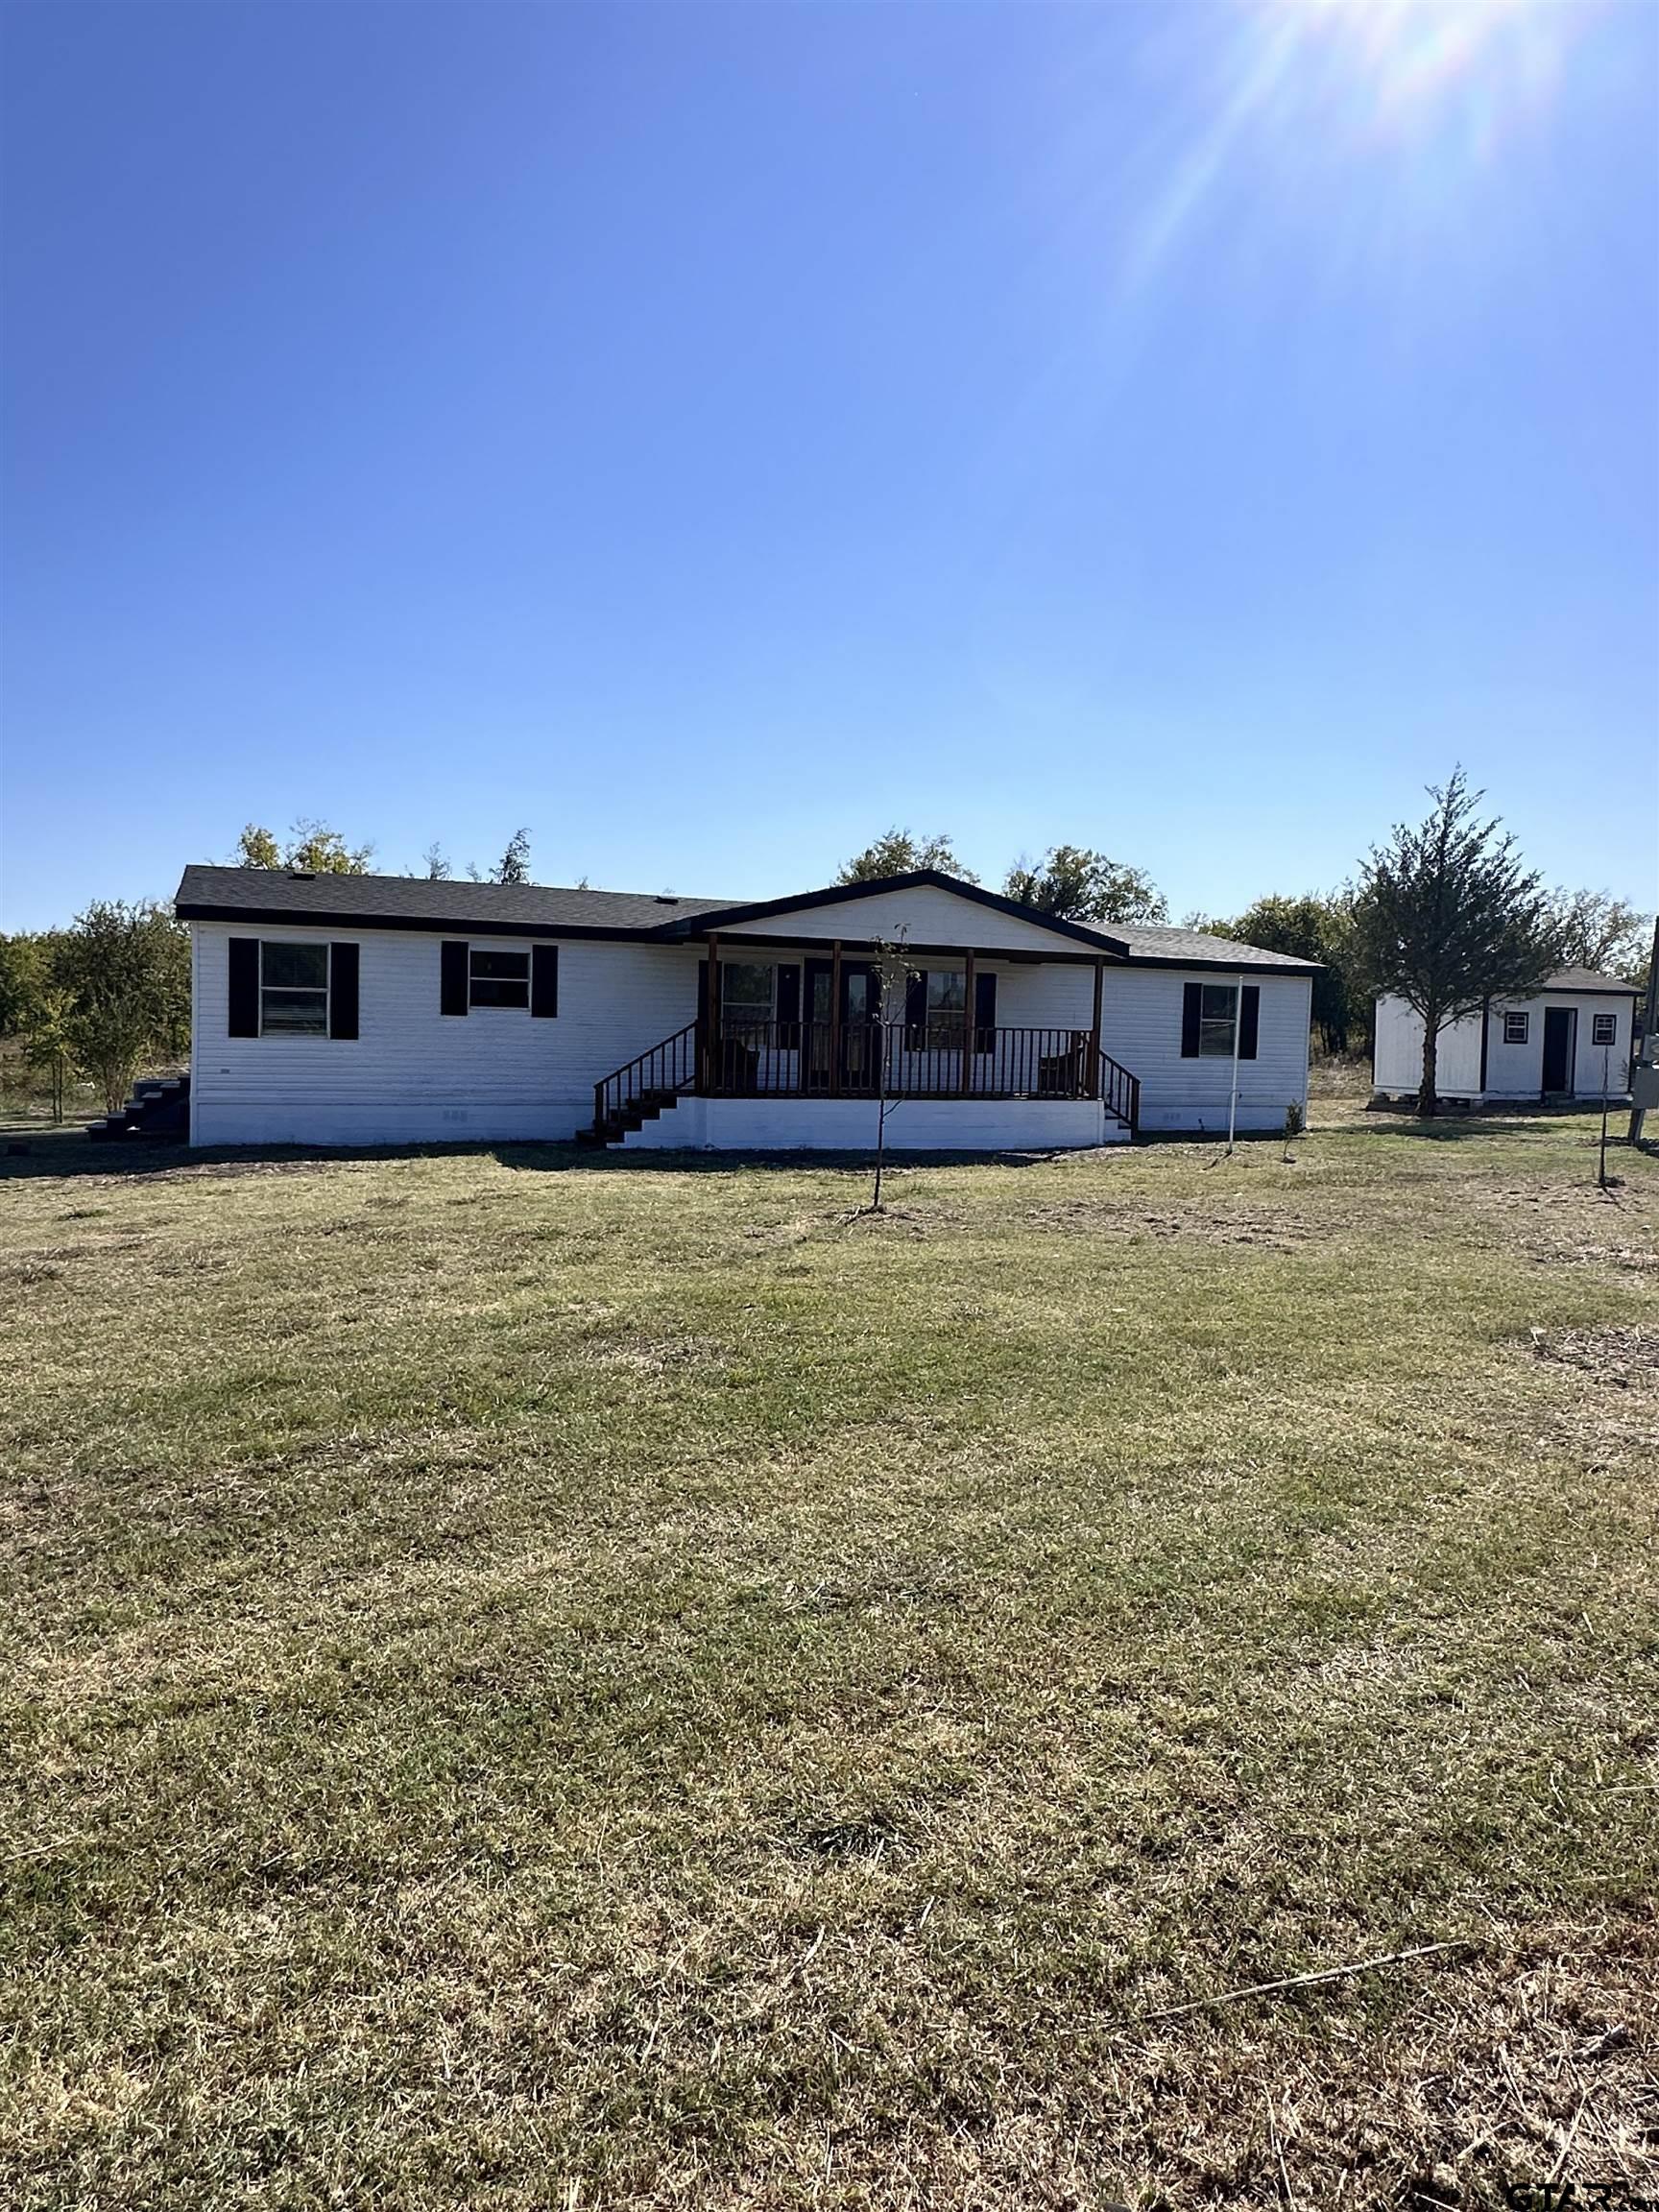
x,y
622,1122
158,1112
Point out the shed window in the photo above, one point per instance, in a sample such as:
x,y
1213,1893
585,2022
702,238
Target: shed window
x,y
293,990
498,979
1516,1028
746,992
1604,1029
1215,1020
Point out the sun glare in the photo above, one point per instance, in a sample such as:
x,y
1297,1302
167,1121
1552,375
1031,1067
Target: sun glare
x,y
1404,58
1420,95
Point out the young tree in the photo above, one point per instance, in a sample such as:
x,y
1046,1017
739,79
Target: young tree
x,y
892,989
901,853
1447,917
48,1040
312,846
125,971
1075,884
1593,929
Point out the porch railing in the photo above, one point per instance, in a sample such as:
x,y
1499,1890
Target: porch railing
x,y
852,1059
1121,1092
661,1072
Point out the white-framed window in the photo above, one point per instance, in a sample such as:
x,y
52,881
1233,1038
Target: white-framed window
x,y
1217,1016
293,989
946,1006
1516,1028
1604,1029
497,978
747,993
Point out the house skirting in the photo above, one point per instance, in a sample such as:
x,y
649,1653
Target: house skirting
x,y
786,1124
302,1119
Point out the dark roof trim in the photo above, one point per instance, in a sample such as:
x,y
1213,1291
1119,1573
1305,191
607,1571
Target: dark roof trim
x,y
762,909
1587,991
452,925
781,940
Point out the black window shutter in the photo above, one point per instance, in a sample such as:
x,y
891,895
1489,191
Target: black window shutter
x,y
1192,1011
453,977
916,1010
1249,1020
789,994
342,989
544,981
984,1002
244,1006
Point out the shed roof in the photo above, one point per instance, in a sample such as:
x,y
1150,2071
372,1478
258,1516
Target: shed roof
x,y
1587,979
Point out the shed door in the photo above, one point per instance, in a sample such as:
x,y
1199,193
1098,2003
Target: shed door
x,y
1558,1024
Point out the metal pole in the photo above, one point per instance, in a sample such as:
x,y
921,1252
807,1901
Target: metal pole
x,y
1601,1176
1649,1052
1238,1029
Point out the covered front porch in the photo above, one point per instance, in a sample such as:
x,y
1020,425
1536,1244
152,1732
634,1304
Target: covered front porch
x,y
798,1024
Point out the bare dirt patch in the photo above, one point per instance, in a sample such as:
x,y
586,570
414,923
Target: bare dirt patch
x,y
1625,1356
1585,1226
1233,1225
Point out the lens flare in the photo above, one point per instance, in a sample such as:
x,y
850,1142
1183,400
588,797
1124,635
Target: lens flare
x,y
1426,91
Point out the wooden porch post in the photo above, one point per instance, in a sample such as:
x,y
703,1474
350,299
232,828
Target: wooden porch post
x,y
966,1022
1094,1084
835,1018
712,1043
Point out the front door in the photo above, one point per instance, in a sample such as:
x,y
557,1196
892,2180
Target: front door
x,y
1558,1026
855,1067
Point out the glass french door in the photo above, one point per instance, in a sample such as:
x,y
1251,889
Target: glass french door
x,y
858,1066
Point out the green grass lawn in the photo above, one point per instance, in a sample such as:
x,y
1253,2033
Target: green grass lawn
x,y
542,1682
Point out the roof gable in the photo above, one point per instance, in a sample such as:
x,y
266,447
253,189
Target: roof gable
x,y
925,904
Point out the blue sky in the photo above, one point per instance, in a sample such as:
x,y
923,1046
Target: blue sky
x,y
709,435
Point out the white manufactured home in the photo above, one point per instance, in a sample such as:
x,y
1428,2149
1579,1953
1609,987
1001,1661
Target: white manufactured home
x,y
1560,1044
383,1009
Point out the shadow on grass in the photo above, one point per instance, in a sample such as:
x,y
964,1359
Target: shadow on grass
x,y
69,1152
65,1152
1517,1120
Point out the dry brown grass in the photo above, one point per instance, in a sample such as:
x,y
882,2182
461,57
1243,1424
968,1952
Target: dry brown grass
x,y
537,1683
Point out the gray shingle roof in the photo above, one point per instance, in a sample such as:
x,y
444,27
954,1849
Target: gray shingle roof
x,y
1587,979
1154,941
414,899
208,893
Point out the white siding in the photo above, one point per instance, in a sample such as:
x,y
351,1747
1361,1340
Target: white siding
x,y
1141,1028
1587,1073
416,1075
1512,1070
849,1125
924,915
1397,1061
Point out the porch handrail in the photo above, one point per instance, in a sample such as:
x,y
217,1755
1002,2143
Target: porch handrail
x,y
1120,1092
668,1067
920,1060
